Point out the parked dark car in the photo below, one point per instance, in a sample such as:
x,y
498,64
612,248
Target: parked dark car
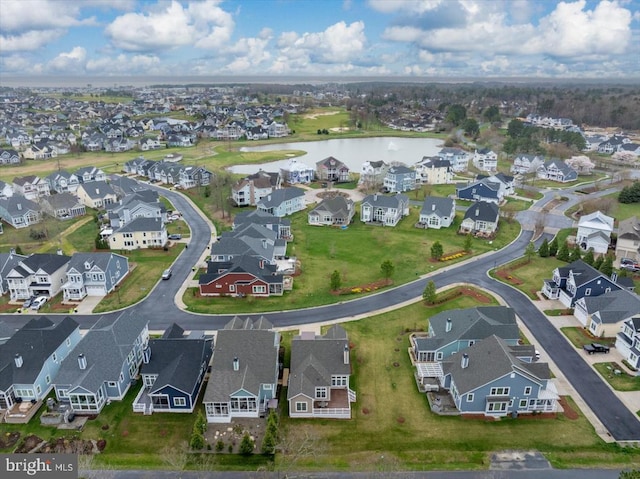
x,y
630,261
595,348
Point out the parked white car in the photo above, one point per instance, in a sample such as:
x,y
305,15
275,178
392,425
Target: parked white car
x,y
38,302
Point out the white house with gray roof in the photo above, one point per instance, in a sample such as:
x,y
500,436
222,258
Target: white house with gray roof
x,y
603,315
481,219
319,377
496,379
19,212
8,261
283,202
40,274
244,371
594,232
103,364
96,194
336,211
437,212
384,210
93,274
30,360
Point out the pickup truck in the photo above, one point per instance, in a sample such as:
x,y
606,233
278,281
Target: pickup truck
x,y
595,348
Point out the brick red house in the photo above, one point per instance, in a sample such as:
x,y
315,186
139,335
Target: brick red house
x,y
243,276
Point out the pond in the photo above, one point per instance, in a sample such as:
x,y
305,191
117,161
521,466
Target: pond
x,y
351,151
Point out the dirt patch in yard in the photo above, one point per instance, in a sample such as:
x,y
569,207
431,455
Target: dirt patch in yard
x,y
569,412
9,439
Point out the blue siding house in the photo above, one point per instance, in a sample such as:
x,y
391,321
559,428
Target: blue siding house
x,y
173,369
30,360
103,364
494,379
283,202
399,179
481,190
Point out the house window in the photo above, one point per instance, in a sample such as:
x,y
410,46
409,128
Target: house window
x,y
527,391
301,406
587,292
321,393
54,358
259,289
439,356
112,384
232,287
121,377
47,379
179,402
337,381
499,392
470,397
267,387
523,403
68,341
62,393
38,390
497,407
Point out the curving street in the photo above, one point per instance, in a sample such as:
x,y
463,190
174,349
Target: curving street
x,y
160,308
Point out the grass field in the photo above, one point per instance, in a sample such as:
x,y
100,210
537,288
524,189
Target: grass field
x,y
619,382
357,254
527,277
580,336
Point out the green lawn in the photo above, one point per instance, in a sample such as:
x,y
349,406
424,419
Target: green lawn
x,y
514,204
621,381
393,429
534,195
357,254
580,336
527,276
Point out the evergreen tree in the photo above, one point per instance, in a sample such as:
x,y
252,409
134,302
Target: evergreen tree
x,y
563,252
530,251
588,257
387,269
468,243
553,246
607,266
437,250
18,249
246,445
197,441
598,262
430,295
575,254
543,251
336,280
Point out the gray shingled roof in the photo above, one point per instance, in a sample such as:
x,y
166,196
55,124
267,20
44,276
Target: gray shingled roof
x,y
386,201
35,342
257,354
18,205
105,347
483,211
277,197
97,189
142,224
490,359
440,206
49,263
62,200
337,206
613,306
470,324
314,361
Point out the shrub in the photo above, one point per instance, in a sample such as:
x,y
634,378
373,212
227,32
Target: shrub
x,y
246,446
219,446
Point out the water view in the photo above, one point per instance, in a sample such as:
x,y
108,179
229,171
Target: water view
x,y
351,151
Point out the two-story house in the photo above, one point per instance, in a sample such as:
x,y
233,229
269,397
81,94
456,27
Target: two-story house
x,y
319,378
283,202
524,163
458,158
103,365
336,211
297,172
250,190
594,232
19,212
331,169
399,178
8,261
87,174
244,371
93,274
628,244
556,170
32,187
96,194
433,170
139,233
437,212
384,210
628,341
372,174
40,274
485,159
603,315
481,219
281,226
63,182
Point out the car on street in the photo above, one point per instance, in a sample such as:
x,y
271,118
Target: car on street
x,y
38,302
175,236
166,274
595,348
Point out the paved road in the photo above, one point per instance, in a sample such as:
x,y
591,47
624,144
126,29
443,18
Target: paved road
x,y
161,310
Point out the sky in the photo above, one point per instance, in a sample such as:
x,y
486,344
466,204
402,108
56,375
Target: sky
x,y
401,38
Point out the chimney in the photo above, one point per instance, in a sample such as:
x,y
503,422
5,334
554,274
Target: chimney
x,y
19,206
447,328
146,354
345,354
18,360
264,243
97,191
464,363
477,211
433,207
59,252
236,364
12,251
375,197
82,361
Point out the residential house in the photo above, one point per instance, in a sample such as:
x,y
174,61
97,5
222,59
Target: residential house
x,y
173,371
93,274
331,169
297,172
40,274
6,190
612,144
249,239
244,371
250,190
496,379
9,157
319,375
433,170
458,158
243,275
281,226
481,219
62,206
63,182
283,202
524,163
437,212
628,341
103,365
372,173
139,233
384,210
142,204
8,261
30,360
149,144
19,212
485,159
336,211
504,182
123,185
628,244
577,280
556,170
86,174
594,232
39,150
32,187
480,190
399,179
604,315
96,194
277,130
193,176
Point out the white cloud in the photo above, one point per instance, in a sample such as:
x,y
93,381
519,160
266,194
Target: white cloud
x,y
202,24
68,62
248,53
128,64
410,6
28,41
